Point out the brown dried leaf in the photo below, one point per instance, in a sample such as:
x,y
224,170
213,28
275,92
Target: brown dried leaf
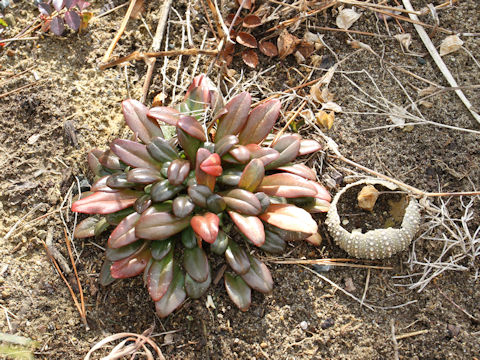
x,y
268,48
405,40
367,197
286,44
247,4
321,95
450,44
251,21
306,49
229,20
158,99
246,39
427,91
138,9
325,119
250,58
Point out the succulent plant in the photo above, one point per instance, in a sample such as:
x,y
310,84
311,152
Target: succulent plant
x,y
174,202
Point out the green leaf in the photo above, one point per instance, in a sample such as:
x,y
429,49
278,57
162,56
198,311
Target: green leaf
x,y
124,251
237,113
195,263
86,228
101,226
199,194
124,233
163,190
159,225
252,175
230,177
116,217
289,217
161,150
220,244
237,258
142,203
160,275
189,240
143,176
178,171
161,248
132,265
119,181
238,290
196,289
286,185
134,154
135,114
243,201
225,144
264,200
94,162
216,203
273,243
105,277
174,296
260,122
258,277
189,144
250,226
182,206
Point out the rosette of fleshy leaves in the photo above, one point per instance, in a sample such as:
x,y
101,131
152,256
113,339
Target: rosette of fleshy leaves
x,y
219,186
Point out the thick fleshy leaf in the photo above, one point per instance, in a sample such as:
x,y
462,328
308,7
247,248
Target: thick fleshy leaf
x,y
182,206
239,291
189,144
105,203
134,154
110,161
300,170
119,181
206,226
243,201
135,114
234,120
237,258
124,233
159,277
322,192
318,206
290,217
273,243
57,25
161,248
163,190
174,296
132,265
189,239
288,147
101,226
230,177
201,94
308,147
225,144
252,175
240,154
161,150
216,203
105,277
116,217
199,194
286,234
202,177
212,165
220,244
159,225
86,228
178,171
265,154
314,239
192,127
260,122
264,200
166,114
101,185
258,277
143,176
195,263
250,226
142,203
195,289
94,162
124,251
286,185
73,20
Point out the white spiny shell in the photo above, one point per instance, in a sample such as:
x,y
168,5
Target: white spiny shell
x,y
378,243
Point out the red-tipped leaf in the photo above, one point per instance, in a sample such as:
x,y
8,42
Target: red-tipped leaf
x,y
234,120
212,165
206,226
124,233
250,226
300,170
238,290
165,114
252,175
105,203
289,217
132,265
135,114
287,185
260,122
134,154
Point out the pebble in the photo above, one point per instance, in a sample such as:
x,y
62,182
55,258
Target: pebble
x,y
263,345
349,286
304,325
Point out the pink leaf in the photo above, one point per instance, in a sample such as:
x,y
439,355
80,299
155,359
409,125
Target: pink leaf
x,y
289,217
250,226
124,233
105,203
206,226
212,165
132,265
260,122
286,185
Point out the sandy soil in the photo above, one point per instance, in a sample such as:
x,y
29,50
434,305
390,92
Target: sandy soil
x,y
305,317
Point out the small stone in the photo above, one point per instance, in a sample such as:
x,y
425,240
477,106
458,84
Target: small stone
x,y
349,286
168,339
304,325
263,345
329,322
453,330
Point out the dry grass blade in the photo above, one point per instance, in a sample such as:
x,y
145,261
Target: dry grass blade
x,y
125,347
331,262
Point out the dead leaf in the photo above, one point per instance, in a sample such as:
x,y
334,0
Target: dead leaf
x,y
315,39
299,57
321,95
286,44
247,4
138,9
158,99
229,20
268,48
405,40
246,39
316,60
306,49
346,18
426,104
251,21
367,197
450,44
250,58
325,119
427,91
330,105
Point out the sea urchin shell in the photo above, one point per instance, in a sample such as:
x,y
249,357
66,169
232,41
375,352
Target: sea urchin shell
x,y
378,243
